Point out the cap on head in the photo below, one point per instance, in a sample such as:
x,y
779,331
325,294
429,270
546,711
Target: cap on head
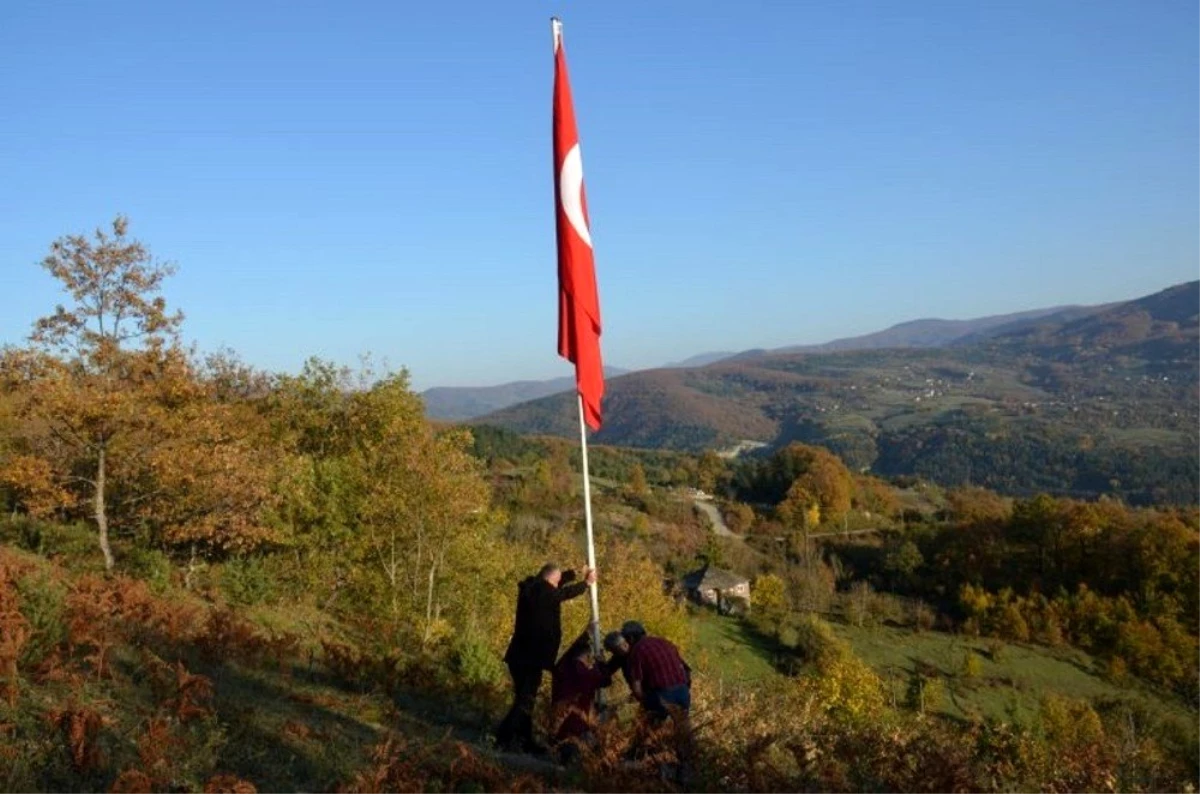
x,y
633,631
613,641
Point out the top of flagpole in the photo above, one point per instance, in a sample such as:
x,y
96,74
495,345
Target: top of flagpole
x,y
556,31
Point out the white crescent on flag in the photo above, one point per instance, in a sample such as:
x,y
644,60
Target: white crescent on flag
x,y
570,189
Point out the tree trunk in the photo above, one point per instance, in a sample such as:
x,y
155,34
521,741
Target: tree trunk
x,y
191,570
807,565
429,602
101,513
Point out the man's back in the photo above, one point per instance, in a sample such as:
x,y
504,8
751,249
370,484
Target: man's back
x,y
656,663
537,631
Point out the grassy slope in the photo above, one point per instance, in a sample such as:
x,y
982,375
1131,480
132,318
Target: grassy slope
x,y
1008,689
728,649
285,722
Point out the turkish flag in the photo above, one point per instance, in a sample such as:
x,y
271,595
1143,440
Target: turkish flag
x,y
578,299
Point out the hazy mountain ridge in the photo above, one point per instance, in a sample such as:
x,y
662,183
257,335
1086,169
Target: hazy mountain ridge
x,y
1074,400
468,402
931,332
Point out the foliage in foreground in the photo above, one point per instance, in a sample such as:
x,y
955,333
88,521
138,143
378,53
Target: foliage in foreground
x,y
109,686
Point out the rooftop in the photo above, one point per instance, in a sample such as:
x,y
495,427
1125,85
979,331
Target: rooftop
x,y
718,578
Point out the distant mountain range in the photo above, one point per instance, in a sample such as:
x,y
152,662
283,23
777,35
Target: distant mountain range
x,y
1073,399
702,359
457,403
467,402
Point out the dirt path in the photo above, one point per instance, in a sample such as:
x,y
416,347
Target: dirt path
x,y
715,519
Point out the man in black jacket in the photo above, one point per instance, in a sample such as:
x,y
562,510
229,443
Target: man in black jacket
x,y
537,634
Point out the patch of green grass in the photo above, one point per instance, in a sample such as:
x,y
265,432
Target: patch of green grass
x,y
726,647
1009,688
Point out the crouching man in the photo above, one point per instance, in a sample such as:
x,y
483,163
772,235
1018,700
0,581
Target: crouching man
x,y
658,677
574,684
661,681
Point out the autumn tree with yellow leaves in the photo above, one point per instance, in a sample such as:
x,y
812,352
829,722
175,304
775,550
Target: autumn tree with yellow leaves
x,y
83,384
424,506
111,420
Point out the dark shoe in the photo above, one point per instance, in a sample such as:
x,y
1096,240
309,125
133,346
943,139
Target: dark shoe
x,y
508,745
567,753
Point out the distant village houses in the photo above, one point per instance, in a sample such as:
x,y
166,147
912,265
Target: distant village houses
x,y
727,591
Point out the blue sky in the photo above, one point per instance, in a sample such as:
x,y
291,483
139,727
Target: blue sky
x,y
341,178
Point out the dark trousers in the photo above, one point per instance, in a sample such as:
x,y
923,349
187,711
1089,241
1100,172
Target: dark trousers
x,y
674,703
658,700
516,730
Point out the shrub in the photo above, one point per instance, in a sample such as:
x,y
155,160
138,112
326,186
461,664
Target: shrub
x,y
972,665
887,608
248,581
847,687
42,601
812,588
1012,624
150,565
860,604
74,541
925,693
14,634
23,532
477,664
1117,671
922,615
789,636
815,641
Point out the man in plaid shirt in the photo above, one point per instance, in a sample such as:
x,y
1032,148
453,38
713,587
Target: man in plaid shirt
x,y
658,677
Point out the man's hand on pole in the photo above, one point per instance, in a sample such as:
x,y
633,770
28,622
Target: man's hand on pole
x,y
589,575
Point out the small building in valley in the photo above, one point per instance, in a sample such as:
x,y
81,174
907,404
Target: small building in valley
x,y
727,591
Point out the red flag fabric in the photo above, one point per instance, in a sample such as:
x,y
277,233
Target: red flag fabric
x,y
578,298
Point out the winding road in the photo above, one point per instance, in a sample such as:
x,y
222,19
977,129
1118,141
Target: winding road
x,y
719,526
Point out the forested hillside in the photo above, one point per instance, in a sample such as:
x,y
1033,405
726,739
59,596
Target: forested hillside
x,y
1103,404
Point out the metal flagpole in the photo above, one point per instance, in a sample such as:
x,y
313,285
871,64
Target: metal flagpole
x,y
561,175
591,544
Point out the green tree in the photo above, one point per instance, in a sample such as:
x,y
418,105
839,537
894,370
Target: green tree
x,y
312,423
800,513
970,504
925,693
710,470
769,602
638,487
902,563
424,504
